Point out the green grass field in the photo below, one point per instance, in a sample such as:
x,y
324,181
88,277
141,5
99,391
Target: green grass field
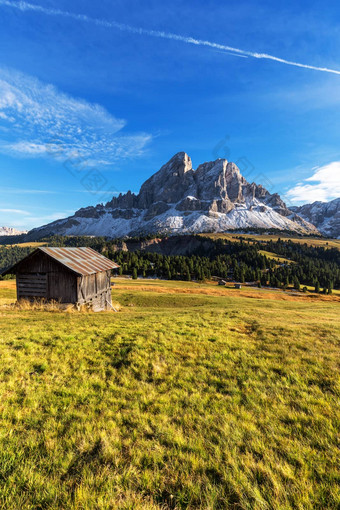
x,y
191,397
277,258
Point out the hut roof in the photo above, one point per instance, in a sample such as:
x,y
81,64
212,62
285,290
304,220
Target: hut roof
x,y
82,261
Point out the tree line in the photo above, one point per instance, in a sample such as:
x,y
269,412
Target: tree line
x,y
241,261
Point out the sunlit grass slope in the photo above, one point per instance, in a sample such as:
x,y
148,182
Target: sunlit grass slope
x,y
191,397
310,241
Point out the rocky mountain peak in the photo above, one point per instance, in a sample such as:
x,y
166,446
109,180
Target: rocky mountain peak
x,y
177,198
180,163
170,182
324,215
10,231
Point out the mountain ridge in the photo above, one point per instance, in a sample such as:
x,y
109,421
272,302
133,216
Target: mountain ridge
x,y
324,215
178,199
10,231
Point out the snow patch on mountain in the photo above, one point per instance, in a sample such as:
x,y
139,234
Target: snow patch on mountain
x,y
324,215
9,231
179,199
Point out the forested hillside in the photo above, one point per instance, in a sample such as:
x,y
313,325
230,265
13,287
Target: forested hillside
x,y
272,263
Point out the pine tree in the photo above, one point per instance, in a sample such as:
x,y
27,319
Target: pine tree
x,y
134,273
317,287
296,284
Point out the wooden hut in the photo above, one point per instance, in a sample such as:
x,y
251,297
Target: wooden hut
x,y
80,276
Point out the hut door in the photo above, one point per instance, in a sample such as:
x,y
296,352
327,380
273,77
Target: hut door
x,y
32,285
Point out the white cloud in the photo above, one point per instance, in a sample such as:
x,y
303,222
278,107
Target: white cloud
x,y
325,185
46,122
25,148
15,211
20,191
26,6
37,220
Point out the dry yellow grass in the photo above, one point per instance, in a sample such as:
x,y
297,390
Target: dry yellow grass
x,y
186,288
27,245
276,257
212,289
8,284
310,241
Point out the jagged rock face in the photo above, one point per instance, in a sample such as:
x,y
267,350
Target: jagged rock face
x,y
190,204
215,197
169,184
219,180
9,231
127,201
324,215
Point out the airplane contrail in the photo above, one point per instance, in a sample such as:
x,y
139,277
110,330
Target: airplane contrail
x,y
25,6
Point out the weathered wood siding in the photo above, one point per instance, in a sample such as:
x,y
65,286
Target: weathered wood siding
x,y
42,277
96,290
62,286
31,285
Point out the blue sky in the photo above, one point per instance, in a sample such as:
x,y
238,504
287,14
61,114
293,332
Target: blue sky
x,y
95,97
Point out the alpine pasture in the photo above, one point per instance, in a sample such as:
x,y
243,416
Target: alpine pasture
x,y
190,397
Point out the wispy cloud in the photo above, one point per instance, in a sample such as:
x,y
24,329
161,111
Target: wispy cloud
x,y
25,6
43,121
19,218
15,211
20,191
325,185
109,192
50,217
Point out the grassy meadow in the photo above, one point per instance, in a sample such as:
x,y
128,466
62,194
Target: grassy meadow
x,y
317,242
193,396
30,244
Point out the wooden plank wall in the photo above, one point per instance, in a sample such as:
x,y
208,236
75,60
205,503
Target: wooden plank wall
x,y
31,285
62,286
95,290
59,283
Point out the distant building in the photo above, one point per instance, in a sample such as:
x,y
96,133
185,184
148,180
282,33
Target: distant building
x,y
80,276
238,286
222,282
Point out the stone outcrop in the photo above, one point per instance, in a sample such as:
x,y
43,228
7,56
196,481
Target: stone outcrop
x,y
179,199
324,215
